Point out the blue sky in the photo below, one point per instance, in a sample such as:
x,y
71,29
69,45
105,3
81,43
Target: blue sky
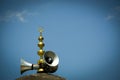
x,y
83,33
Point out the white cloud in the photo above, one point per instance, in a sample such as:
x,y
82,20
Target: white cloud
x,y
20,16
6,16
114,14
109,17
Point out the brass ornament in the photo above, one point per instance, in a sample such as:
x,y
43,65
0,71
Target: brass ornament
x,y
48,62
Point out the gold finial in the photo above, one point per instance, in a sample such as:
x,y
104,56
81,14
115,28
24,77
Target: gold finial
x,y
41,51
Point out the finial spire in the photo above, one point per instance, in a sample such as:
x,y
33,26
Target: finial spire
x,y
41,51
48,61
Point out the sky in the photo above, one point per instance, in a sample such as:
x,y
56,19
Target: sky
x,y
83,33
